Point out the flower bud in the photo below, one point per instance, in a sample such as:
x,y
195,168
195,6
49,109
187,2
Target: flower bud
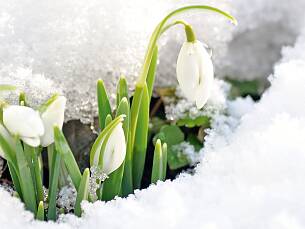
x,y
195,72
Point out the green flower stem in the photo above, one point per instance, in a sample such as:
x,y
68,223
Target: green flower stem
x,y
50,150
37,174
53,185
40,212
64,150
140,144
26,182
112,185
82,192
104,107
158,31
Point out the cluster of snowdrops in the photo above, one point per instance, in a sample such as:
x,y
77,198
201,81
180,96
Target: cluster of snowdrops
x,y
117,157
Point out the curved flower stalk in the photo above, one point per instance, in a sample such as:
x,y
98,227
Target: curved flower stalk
x,y
24,122
195,72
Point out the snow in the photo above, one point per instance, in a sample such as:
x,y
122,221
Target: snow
x,y
252,172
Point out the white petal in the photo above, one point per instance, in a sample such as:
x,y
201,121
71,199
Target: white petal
x,y
23,121
206,69
54,115
115,150
188,70
34,142
6,135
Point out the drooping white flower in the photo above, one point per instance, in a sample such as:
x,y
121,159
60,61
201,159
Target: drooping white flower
x,y
24,122
114,151
7,137
195,72
53,115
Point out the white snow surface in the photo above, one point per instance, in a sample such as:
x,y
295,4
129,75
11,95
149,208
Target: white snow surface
x,y
66,45
251,175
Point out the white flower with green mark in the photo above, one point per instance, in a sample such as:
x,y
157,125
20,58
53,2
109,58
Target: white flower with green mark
x,y
109,150
24,122
195,72
53,115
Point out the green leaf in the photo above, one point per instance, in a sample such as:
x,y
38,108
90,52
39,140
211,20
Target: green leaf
x,y
157,169
82,192
112,185
40,212
152,72
127,184
53,186
164,160
176,159
122,90
140,144
199,121
25,179
104,107
170,134
6,87
15,178
22,99
46,104
64,150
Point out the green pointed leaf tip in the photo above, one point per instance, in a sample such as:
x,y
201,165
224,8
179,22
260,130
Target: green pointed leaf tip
x,y
164,161
157,169
82,192
104,107
40,211
122,90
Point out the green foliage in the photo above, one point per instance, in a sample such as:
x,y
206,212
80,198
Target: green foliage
x,y
40,211
159,163
104,107
198,121
82,192
244,88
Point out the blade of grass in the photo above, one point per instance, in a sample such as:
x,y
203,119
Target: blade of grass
x,y
104,107
53,186
164,160
112,185
64,150
82,192
140,144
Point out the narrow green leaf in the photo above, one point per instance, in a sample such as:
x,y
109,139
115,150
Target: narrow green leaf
x,y
108,120
6,87
140,144
40,211
82,192
157,169
15,178
127,184
53,186
64,150
152,72
164,160
122,90
38,178
26,182
104,107
112,185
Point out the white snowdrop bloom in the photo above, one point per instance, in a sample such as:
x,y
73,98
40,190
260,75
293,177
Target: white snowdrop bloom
x,y
53,115
195,72
7,137
24,122
114,151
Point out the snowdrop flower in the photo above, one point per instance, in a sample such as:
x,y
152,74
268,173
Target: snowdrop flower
x,y
113,150
53,115
195,72
24,122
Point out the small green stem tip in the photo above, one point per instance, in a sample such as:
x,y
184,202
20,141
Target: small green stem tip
x,y
190,35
